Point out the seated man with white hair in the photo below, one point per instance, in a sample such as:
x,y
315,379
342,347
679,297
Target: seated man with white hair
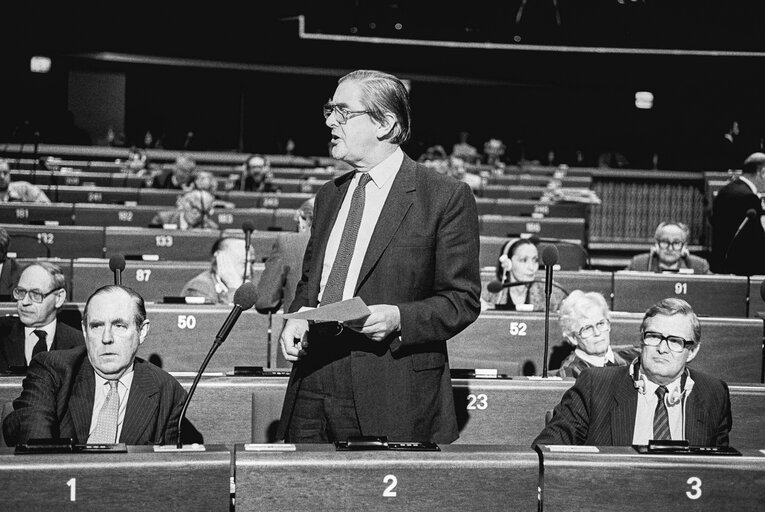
x,y
669,252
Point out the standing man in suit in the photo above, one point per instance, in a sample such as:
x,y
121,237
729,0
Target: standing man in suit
x,y
100,393
39,295
405,240
657,397
746,254
276,287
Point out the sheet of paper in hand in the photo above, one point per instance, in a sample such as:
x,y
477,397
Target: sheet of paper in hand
x,y
343,311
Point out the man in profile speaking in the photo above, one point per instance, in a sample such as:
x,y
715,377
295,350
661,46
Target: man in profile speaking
x,y
405,240
100,393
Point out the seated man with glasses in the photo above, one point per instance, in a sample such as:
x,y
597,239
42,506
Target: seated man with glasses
x,y
657,397
585,324
670,253
39,295
194,210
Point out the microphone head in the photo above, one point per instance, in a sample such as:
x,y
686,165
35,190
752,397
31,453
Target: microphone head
x,y
751,213
248,226
496,287
550,255
245,296
117,262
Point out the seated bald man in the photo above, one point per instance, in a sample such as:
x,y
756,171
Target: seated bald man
x,y
100,393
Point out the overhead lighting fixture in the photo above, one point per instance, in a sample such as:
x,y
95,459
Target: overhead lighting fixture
x,y
39,64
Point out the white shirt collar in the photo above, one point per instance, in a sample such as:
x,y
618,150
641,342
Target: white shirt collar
x,y
749,183
50,331
599,361
386,169
125,381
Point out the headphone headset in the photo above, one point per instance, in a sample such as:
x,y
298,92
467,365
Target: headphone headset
x,y
504,259
674,398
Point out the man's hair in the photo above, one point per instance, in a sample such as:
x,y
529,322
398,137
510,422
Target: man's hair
x,y
53,270
574,306
140,308
383,93
200,200
266,160
672,306
221,244
753,163
4,166
684,228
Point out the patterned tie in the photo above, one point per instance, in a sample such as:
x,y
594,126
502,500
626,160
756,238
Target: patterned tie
x,y
333,290
40,346
106,426
660,416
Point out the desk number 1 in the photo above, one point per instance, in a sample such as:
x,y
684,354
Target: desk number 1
x,y
72,483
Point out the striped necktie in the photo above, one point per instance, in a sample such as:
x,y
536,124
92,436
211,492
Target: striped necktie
x,y
333,290
660,417
106,426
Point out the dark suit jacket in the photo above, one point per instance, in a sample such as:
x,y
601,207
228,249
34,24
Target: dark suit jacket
x,y
59,391
283,270
423,258
600,410
12,341
640,262
728,212
9,276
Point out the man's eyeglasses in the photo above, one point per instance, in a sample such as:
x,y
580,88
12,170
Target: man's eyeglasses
x,y
588,331
674,343
666,244
20,293
341,114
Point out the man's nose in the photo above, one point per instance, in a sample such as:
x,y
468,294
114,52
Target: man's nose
x,y
107,337
663,346
331,121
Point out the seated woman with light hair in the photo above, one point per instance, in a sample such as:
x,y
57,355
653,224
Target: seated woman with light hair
x,y
585,323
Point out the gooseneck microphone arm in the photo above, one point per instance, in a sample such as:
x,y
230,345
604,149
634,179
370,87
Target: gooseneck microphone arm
x,y
244,298
549,258
248,227
751,213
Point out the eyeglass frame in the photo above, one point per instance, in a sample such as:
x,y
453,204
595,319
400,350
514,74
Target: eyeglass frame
x,y
606,328
42,295
666,244
342,114
661,338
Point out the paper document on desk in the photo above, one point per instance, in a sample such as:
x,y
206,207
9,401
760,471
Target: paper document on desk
x,y
343,311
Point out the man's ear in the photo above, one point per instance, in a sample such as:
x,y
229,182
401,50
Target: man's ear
x,y
387,127
60,298
692,352
143,331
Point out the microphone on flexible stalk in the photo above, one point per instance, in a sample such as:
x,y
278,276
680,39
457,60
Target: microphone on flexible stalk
x,y
244,299
549,258
117,265
751,213
248,227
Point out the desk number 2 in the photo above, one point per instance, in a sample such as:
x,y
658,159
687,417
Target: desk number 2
x,y
392,481
72,484
695,492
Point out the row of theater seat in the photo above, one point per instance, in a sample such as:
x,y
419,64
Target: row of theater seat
x,y
243,409
511,343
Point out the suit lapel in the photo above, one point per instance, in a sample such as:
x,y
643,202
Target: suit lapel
x,y
695,418
16,356
623,413
397,204
141,407
81,401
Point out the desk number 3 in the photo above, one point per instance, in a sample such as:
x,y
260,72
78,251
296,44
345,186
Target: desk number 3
x,y
695,492
72,484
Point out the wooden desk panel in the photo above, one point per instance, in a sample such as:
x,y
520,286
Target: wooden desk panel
x,y
37,213
138,480
527,208
546,227
621,479
103,195
756,304
512,192
731,348
456,478
710,295
61,241
291,200
89,214
570,280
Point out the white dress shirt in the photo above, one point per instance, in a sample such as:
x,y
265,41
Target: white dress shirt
x,y
377,191
598,361
102,389
646,407
30,338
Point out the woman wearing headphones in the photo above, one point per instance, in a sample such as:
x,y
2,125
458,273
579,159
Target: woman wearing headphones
x,y
516,270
